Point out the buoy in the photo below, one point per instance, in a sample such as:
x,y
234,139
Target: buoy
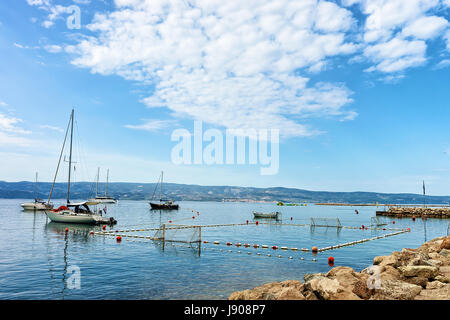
x,y
314,249
274,247
393,222
247,221
256,222
255,246
104,227
237,244
229,243
119,238
291,218
92,232
246,245
170,221
193,217
330,260
67,230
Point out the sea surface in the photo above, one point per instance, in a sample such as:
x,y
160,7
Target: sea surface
x,y
38,260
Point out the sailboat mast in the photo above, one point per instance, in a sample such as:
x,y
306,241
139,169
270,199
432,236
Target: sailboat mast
x,y
107,178
160,187
35,187
98,175
70,158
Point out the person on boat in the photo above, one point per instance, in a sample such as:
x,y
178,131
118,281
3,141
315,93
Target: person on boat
x,y
356,211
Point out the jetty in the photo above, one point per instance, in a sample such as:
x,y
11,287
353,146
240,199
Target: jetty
x,y
413,212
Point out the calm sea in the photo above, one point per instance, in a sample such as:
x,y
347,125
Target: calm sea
x,y
38,261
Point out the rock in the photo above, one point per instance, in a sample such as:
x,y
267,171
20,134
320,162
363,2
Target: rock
x,y
396,290
434,263
442,293
442,279
389,273
328,289
419,281
428,272
445,253
435,285
445,271
309,276
445,243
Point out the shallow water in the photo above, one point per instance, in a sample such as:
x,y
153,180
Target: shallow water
x,y
37,258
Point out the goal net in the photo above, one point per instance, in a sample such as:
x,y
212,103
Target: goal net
x,y
179,233
377,222
326,222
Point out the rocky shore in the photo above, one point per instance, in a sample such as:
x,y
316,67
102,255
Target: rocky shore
x,y
417,212
410,274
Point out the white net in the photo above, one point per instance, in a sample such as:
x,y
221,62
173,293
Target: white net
x,y
178,233
326,222
376,222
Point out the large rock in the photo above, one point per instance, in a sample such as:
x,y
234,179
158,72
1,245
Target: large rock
x,y
442,293
428,272
329,289
396,290
445,243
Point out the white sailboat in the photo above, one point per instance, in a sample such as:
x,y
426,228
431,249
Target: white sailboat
x,y
103,199
38,204
74,212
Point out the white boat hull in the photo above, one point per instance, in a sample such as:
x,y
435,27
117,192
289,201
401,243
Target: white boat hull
x,y
35,206
68,216
112,201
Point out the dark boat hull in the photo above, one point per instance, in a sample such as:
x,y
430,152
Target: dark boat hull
x,y
164,206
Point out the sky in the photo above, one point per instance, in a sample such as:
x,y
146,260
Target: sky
x,y
357,89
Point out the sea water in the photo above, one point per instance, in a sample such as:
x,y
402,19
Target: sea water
x,y
38,260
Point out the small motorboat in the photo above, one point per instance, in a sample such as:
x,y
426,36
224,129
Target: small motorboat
x,y
38,204
268,215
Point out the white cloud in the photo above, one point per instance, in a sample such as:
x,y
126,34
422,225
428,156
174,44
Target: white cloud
x,y
53,48
153,125
443,64
45,126
396,54
425,27
11,133
232,64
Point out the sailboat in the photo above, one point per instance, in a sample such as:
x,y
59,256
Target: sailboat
x,y
38,204
163,204
74,212
105,198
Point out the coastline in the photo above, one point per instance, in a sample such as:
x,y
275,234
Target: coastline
x,y
410,274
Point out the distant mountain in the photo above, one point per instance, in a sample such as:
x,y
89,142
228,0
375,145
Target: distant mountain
x,y
144,191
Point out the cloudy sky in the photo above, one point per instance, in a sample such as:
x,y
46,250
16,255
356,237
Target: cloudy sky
x,y
359,89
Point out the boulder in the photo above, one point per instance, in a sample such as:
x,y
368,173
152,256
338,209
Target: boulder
x,y
442,293
445,244
428,272
396,290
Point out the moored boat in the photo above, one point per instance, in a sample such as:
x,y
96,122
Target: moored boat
x,y
269,215
38,204
163,204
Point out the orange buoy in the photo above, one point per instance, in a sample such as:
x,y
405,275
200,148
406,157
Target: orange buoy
x,y
314,249
92,232
246,245
255,246
119,238
330,261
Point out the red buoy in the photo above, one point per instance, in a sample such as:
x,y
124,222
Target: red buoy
x,y
170,221
330,261
393,222
67,230
274,247
92,232
229,243
119,238
314,249
104,227
256,222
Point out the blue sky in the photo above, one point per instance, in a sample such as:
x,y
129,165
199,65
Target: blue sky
x,y
359,89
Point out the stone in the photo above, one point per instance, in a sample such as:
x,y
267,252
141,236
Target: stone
x,y
442,293
419,281
445,243
396,290
428,272
309,276
445,253
435,285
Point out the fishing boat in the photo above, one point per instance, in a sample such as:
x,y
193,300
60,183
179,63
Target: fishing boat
x,y
38,204
103,199
74,212
268,215
163,204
